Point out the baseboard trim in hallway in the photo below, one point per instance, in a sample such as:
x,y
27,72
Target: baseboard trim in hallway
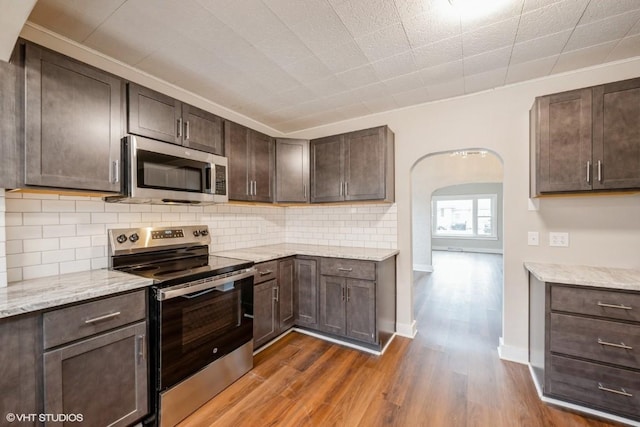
x,y
513,354
406,330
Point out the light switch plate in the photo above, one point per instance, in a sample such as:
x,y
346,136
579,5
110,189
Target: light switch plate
x,y
533,238
559,239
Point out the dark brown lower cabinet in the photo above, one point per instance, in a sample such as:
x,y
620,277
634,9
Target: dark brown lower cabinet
x,y
20,368
264,312
306,292
103,379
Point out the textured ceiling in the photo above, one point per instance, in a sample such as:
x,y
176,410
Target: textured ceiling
x,y
295,64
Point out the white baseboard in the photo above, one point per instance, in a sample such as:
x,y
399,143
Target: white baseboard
x,y
406,330
423,267
578,408
475,250
513,354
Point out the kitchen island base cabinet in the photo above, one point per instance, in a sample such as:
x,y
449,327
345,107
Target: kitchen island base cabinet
x,y
20,367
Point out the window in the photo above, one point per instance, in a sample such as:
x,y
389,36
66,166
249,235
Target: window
x,y
471,216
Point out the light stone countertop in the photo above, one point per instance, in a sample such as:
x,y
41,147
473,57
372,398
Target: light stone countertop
x,y
271,252
599,277
48,292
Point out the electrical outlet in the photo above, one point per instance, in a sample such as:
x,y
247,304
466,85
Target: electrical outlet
x,y
533,238
559,239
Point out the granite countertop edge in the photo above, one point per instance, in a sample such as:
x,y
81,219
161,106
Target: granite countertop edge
x,y
272,252
584,275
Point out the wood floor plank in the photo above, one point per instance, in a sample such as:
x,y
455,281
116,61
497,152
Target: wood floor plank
x,y
448,375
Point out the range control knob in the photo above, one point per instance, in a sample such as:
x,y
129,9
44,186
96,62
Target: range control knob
x,y
204,232
134,237
121,238
196,233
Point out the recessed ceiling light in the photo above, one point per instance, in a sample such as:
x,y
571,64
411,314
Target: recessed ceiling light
x,y
477,8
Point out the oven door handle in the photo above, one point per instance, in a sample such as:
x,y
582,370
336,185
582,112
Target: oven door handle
x,y
202,288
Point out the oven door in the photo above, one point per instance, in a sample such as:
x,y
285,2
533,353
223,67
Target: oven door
x,y
157,170
199,327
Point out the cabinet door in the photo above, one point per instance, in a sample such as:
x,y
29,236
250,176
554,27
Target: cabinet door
x,y
202,130
154,115
364,165
262,166
72,123
264,312
564,142
327,169
236,147
9,108
19,362
361,310
306,293
332,304
104,378
616,135
286,277
292,170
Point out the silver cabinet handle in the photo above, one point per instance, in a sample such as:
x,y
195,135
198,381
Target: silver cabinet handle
x,y
265,272
304,191
179,127
619,306
277,288
255,188
347,294
599,171
611,344
344,269
346,188
343,293
341,187
115,170
186,129
588,172
142,349
249,187
101,318
622,391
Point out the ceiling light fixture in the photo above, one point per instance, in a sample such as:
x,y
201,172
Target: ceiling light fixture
x,y
477,8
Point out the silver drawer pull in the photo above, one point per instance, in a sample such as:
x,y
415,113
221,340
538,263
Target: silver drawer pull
x,y
344,269
622,391
264,273
101,318
620,306
610,344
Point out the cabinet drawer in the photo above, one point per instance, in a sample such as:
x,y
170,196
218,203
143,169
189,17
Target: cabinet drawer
x,y
348,268
604,387
600,340
69,324
265,271
595,302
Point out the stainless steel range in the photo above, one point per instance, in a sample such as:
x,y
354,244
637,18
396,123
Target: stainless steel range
x,y
201,314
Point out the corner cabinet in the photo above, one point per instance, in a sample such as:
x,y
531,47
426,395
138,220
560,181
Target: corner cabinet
x,y
586,139
158,116
292,170
306,292
353,166
73,123
251,163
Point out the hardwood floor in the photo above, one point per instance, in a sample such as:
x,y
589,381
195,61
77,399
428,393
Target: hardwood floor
x,y
449,375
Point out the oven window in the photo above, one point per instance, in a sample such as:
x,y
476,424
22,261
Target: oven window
x,y
161,171
211,317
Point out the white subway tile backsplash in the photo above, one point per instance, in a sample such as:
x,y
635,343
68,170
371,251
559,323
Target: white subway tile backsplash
x,y
24,232
129,217
40,218
23,259
74,266
13,218
39,245
58,256
58,206
13,247
75,242
37,271
14,274
90,206
75,218
116,207
24,205
90,229
104,218
58,230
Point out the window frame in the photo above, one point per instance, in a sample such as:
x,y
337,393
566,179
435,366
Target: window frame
x,y
474,197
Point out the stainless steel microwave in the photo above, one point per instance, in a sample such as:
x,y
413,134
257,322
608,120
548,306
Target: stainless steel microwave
x,y
157,172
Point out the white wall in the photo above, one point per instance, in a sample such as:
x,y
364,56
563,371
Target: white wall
x,y
603,229
438,171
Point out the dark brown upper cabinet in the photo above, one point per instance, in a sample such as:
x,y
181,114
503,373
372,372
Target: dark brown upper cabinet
x,y
73,123
292,170
9,122
586,139
158,116
353,166
251,163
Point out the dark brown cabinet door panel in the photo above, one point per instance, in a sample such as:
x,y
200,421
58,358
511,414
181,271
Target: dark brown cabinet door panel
x,y
327,169
364,168
262,166
306,292
292,170
361,310
104,378
332,304
616,135
564,160
237,150
9,122
202,130
154,115
286,278
73,123
264,312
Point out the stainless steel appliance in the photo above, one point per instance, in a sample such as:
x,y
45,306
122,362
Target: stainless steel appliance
x,y
201,314
158,172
